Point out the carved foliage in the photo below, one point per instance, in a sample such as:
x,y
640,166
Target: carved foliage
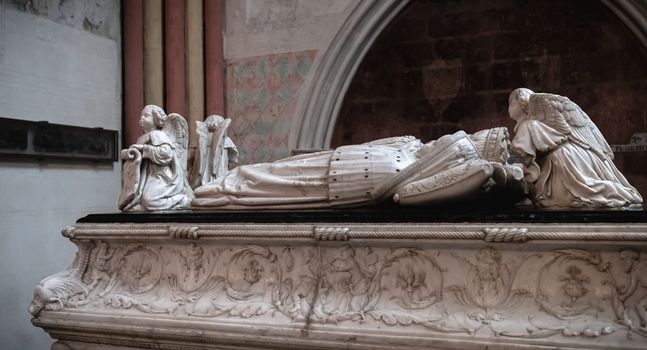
x,y
484,292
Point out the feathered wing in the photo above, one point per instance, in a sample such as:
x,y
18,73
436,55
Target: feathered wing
x,y
178,130
565,116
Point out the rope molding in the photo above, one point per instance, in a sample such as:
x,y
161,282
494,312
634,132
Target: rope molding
x,y
331,233
490,233
417,234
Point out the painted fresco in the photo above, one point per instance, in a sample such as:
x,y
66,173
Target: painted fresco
x,y
262,94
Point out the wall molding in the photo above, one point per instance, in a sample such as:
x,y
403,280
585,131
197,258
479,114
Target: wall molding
x,y
633,13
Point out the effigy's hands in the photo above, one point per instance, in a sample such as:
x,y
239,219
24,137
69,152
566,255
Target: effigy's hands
x,y
506,174
513,188
499,174
460,181
514,172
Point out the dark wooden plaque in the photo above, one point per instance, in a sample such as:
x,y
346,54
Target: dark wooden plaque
x,y
43,140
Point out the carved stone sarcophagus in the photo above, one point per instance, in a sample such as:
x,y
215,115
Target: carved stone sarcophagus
x,y
357,279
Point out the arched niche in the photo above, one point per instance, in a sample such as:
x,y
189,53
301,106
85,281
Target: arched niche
x,y
320,105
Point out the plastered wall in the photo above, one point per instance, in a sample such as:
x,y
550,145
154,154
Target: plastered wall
x,y
63,70
271,50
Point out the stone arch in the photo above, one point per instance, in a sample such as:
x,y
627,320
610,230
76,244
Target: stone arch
x,y
319,106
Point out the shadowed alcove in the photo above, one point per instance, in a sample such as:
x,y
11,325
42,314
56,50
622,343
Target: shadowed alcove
x,y
442,66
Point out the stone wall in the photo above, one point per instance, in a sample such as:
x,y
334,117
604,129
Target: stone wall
x,y
442,66
271,47
64,70
261,98
99,17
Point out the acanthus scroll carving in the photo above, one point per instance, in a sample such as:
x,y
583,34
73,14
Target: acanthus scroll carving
x,y
479,292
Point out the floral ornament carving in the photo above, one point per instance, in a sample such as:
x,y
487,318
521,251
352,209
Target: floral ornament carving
x,y
573,272
419,279
573,284
489,290
635,265
192,277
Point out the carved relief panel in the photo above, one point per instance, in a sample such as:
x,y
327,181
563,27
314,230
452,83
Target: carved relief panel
x,y
488,290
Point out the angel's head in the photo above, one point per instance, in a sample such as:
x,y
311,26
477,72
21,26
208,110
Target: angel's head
x,y
153,117
492,144
518,103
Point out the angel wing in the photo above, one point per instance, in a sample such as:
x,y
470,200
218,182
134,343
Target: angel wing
x,y
565,116
178,130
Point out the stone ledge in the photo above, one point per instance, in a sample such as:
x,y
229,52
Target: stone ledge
x,y
135,334
520,232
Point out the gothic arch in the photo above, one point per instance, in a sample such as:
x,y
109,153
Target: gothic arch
x,y
318,108
320,105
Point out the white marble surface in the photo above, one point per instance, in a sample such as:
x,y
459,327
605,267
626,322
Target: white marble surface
x,y
454,167
369,286
567,161
154,175
216,153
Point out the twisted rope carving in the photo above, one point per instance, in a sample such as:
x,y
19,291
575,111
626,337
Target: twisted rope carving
x,y
331,233
507,234
68,232
253,233
183,232
488,234
589,236
119,231
418,234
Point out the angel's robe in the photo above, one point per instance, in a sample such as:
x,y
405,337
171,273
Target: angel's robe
x,y
346,176
161,179
561,173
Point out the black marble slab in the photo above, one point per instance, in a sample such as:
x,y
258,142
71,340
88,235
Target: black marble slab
x,y
382,214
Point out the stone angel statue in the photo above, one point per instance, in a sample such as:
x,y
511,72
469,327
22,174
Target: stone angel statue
x,y
154,172
403,169
567,161
216,154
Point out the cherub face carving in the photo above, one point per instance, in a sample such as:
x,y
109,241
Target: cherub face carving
x,y
518,104
516,110
147,121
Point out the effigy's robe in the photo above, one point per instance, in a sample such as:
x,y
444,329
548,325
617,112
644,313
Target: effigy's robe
x,y
352,176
